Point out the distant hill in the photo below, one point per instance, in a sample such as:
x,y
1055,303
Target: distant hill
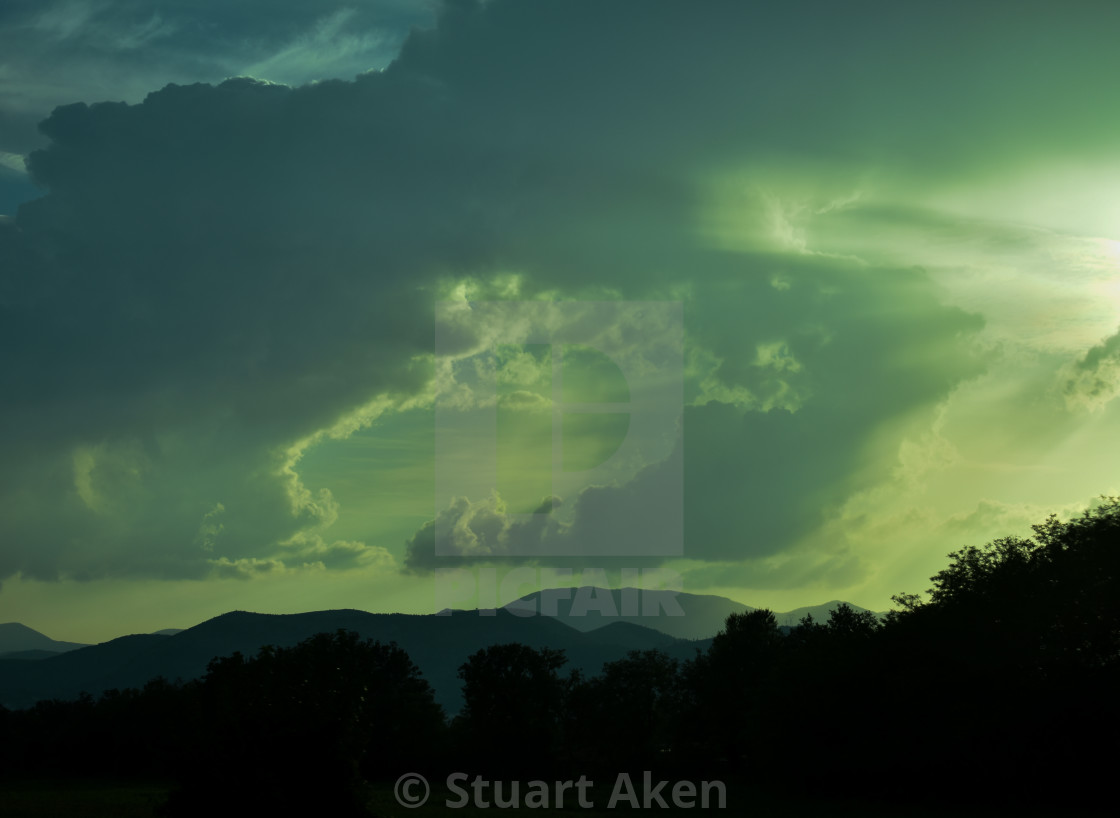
x,y
437,644
680,615
677,614
820,613
15,637
168,631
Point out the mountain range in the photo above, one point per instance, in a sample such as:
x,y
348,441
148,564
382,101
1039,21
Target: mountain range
x,y
37,668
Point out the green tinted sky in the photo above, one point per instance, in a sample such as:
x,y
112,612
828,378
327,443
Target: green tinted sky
x,y
894,230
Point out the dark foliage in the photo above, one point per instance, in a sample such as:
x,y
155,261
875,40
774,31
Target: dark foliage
x,y
295,730
514,699
625,719
292,731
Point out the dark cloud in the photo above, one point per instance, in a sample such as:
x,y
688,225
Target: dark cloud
x,y
189,300
636,524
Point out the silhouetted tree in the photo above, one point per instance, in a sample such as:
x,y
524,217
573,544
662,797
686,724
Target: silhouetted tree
x,y
1017,648
725,691
513,698
846,623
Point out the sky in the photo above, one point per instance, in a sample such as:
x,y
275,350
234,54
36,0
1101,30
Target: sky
x,y
310,306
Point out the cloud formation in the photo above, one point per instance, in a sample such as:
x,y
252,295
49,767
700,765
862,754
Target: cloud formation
x,y
1094,380
223,274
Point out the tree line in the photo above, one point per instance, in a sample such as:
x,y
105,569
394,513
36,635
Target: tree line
x,y
1000,683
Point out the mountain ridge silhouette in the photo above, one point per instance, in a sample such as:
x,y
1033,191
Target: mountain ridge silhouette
x,y
437,643
15,637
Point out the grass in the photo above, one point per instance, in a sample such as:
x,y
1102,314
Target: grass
x,y
80,798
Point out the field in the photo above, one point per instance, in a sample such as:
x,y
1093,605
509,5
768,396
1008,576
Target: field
x,y
80,798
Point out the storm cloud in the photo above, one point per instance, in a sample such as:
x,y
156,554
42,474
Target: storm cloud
x,y
221,276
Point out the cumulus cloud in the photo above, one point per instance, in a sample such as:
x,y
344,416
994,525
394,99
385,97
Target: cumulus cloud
x,y
480,530
61,51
